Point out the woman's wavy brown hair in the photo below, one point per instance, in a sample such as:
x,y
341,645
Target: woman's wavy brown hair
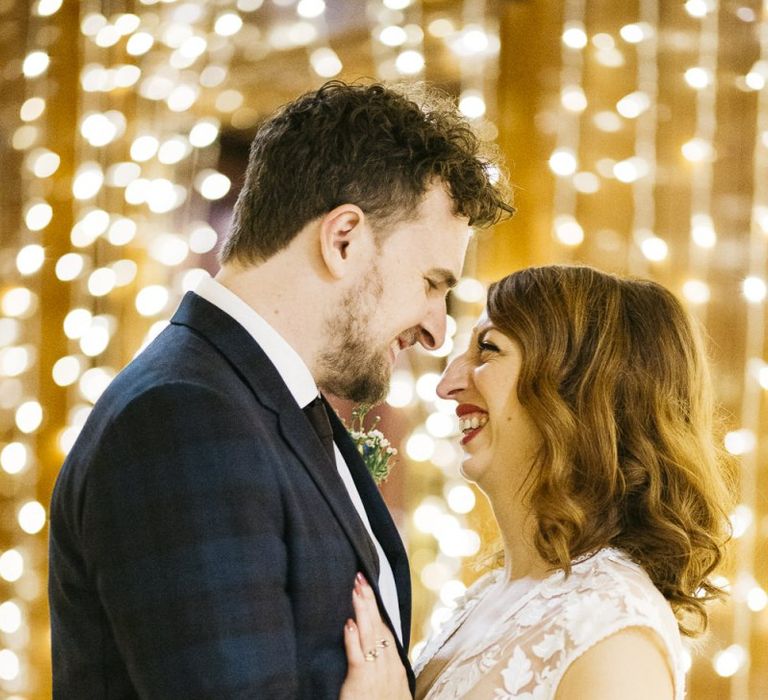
x,y
614,376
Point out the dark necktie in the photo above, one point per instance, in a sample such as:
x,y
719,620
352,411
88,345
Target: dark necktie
x,y
318,416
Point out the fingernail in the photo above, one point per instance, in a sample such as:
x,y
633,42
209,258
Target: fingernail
x,y
360,578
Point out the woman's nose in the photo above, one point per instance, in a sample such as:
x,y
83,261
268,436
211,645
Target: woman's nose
x,y
454,379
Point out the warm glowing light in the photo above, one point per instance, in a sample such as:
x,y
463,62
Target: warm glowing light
x,y
151,300
173,150
563,162
730,660
66,370
101,282
144,147
397,4
107,36
426,386
46,8
739,442
35,63
461,498
757,76
204,133
633,105
703,231
38,216
441,27
697,8
30,259
420,447
568,231
11,565
9,663
182,98
586,182
573,98
698,78
88,181
121,231
607,121
741,519
472,104
309,9
654,248
94,382
229,100
29,416
43,162
32,517
69,266
441,425
757,599
212,184
410,62
139,43
470,290
754,289
400,389
697,150
32,109
76,323
10,617
574,36
168,249
393,35
228,24
17,302
630,170
696,291
95,339
14,457
14,361
635,33
325,62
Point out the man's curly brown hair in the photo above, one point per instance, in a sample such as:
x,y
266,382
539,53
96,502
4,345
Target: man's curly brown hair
x,y
364,144
614,376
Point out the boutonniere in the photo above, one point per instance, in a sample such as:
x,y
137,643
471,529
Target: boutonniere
x,y
374,448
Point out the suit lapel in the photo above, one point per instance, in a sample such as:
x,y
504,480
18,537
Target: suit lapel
x,y
380,518
250,362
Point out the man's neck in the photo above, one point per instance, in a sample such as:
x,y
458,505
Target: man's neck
x,y
289,303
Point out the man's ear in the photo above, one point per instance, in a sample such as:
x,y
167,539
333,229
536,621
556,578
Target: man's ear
x,y
344,235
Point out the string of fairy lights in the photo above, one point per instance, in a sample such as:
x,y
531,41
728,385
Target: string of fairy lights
x,y
749,598
155,91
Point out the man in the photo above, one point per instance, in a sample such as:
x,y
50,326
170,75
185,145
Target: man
x,y
208,525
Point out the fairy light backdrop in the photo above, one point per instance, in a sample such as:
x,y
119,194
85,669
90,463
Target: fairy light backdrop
x,y
638,139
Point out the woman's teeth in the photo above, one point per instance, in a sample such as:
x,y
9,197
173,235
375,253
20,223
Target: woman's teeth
x,y
472,421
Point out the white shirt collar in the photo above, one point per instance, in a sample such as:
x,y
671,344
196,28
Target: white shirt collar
x,y
286,360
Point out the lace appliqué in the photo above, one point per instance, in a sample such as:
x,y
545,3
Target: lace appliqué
x,y
527,651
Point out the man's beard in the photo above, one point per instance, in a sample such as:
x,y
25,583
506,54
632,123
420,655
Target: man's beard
x,y
351,367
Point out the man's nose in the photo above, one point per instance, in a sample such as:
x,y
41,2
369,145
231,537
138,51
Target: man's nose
x,y
433,328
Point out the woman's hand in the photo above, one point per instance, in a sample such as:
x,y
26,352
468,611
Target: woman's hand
x,y
374,667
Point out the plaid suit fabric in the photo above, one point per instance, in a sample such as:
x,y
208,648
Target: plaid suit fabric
x,y
202,545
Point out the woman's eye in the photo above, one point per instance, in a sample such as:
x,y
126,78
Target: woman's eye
x,y
485,346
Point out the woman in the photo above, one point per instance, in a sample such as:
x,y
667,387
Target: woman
x,y
584,404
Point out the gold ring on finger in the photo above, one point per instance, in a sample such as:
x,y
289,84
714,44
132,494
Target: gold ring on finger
x,y
371,655
382,644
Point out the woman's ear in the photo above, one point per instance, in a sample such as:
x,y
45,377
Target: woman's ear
x,y
344,235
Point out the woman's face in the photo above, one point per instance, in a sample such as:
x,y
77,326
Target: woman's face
x,y
498,435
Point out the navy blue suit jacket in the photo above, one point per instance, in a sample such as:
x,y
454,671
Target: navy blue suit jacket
x,y
202,543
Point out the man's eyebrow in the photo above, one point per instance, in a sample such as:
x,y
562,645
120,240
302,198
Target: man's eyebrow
x,y
444,276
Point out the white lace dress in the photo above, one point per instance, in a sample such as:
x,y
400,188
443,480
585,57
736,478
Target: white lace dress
x,y
529,647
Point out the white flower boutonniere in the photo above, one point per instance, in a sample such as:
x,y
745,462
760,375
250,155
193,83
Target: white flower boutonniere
x,y
374,448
